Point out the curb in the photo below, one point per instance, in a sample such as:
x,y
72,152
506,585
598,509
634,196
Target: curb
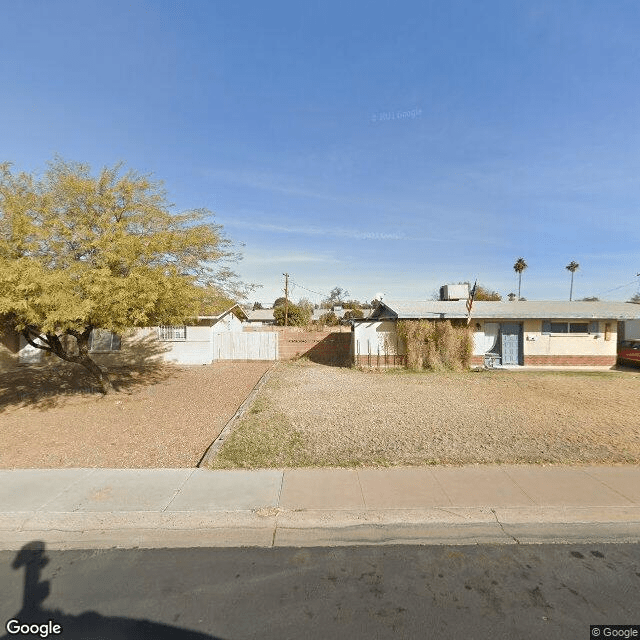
x,y
216,445
274,527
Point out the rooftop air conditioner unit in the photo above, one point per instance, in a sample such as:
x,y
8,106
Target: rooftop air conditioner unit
x,y
454,292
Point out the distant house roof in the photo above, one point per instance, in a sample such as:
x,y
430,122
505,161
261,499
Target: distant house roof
x,y
236,309
544,309
337,310
260,315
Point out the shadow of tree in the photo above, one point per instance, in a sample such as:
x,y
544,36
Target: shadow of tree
x,y
45,386
89,625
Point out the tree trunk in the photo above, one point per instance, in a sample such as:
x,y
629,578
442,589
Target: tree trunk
x,y
571,290
98,373
85,360
54,345
519,283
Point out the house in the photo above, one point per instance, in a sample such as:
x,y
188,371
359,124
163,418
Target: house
x,y
202,341
260,318
506,333
336,309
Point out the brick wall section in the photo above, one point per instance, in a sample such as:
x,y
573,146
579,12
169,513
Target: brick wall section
x,y
562,360
331,346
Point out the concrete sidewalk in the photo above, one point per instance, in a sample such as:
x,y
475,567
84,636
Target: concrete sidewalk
x,y
93,508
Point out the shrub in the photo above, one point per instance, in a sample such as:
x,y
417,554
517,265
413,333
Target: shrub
x,y
353,313
436,344
330,319
297,317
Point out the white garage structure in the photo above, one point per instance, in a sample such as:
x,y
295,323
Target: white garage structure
x,y
203,341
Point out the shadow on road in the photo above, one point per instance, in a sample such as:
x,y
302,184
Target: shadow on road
x,y
86,626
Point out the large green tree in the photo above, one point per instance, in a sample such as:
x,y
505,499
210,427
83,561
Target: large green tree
x,y
80,252
296,316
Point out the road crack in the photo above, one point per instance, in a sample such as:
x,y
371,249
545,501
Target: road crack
x,y
495,515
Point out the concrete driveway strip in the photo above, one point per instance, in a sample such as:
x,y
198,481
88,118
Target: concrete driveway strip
x,y
403,488
33,489
624,480
557,486
228,491
321,489
480,486
109,490
84,508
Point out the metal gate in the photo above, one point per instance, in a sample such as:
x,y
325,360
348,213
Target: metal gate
x,y
232,345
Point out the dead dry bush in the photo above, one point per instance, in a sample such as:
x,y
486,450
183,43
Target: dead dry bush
x,y
436,345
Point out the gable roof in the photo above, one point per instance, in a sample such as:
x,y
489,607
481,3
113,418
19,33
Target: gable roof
x,y
261,315
521,310
236,309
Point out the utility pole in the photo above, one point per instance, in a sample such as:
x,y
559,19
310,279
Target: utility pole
x,y
286,298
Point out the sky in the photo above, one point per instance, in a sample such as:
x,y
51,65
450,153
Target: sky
x,y
382,147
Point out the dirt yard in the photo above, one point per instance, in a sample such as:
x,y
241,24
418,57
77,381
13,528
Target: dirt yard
x,y
164,417
314,415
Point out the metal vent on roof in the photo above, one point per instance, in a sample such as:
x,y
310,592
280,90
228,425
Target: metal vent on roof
x,y
454,291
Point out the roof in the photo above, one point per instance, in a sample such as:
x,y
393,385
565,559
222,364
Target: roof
x,y
544,309
260,315
338,312
236,309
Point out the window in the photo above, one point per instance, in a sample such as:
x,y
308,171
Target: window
x,y
103,340
549,327
172,333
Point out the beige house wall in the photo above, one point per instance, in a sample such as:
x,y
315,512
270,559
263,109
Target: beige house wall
x,y
535,343
379,336
603,343
9,346
538,349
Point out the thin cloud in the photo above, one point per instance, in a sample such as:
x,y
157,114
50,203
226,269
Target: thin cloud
x,y
317,231
292,257
267,182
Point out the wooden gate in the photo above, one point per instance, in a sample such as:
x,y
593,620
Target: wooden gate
x,y
236,345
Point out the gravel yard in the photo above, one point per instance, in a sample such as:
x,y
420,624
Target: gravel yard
x,y
314,415
165,417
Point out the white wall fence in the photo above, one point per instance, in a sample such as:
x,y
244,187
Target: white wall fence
x,y
235,345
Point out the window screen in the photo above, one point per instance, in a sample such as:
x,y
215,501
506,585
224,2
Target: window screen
x,y
172,333
102,340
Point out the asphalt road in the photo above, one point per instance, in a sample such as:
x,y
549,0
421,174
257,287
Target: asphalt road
x,y
484,592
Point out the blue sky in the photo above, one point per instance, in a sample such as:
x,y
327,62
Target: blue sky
x,y
380,147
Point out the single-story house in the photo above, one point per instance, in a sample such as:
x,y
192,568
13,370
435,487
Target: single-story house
x,y
336,309
202,341
506,333
264,317
260,318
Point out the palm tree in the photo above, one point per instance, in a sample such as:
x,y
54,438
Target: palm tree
x,y
519,267
573,267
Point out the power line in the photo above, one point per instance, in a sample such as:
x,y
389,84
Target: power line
x,y
622,286
310,290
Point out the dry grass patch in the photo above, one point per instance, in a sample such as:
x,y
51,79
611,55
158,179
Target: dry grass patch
x,y
313,415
